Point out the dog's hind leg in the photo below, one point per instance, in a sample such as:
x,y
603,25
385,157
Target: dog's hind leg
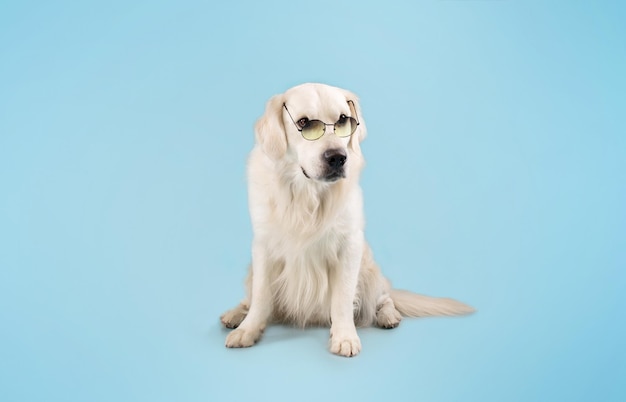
x,y
386,314
232,318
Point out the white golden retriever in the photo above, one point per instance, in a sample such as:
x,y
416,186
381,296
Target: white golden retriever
x,y
310,262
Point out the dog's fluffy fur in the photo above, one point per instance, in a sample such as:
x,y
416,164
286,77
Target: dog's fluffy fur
x,y
310,262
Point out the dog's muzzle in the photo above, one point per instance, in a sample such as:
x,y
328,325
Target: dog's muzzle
x,y
334,160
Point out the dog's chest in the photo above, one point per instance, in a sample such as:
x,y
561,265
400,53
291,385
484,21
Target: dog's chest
x,y
311,249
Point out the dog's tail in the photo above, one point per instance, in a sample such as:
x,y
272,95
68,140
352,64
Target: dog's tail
x,y
413,305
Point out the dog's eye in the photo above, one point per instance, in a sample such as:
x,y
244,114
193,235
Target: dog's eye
x,y
342,117
302,122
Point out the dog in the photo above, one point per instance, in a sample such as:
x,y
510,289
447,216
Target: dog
x,y
310,263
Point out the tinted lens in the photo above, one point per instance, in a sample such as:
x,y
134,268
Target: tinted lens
x,y
345,127
313,129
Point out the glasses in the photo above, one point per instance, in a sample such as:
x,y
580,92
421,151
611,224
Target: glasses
x,y
314,129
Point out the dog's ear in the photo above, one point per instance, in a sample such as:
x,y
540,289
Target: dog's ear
x,y
361,131
269,130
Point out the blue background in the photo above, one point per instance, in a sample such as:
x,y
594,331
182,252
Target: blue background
x,y
496,175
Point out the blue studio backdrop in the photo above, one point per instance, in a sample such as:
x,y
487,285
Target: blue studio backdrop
x,y
496,174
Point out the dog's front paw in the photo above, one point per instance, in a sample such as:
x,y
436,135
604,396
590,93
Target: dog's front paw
x,y
243,338
345,342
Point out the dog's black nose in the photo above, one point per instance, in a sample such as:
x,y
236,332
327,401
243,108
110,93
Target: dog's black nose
x,y
335,158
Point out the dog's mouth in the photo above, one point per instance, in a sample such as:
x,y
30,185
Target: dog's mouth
x,y
334,175
330,176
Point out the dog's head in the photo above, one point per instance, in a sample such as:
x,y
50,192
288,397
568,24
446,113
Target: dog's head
x,y
288,118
